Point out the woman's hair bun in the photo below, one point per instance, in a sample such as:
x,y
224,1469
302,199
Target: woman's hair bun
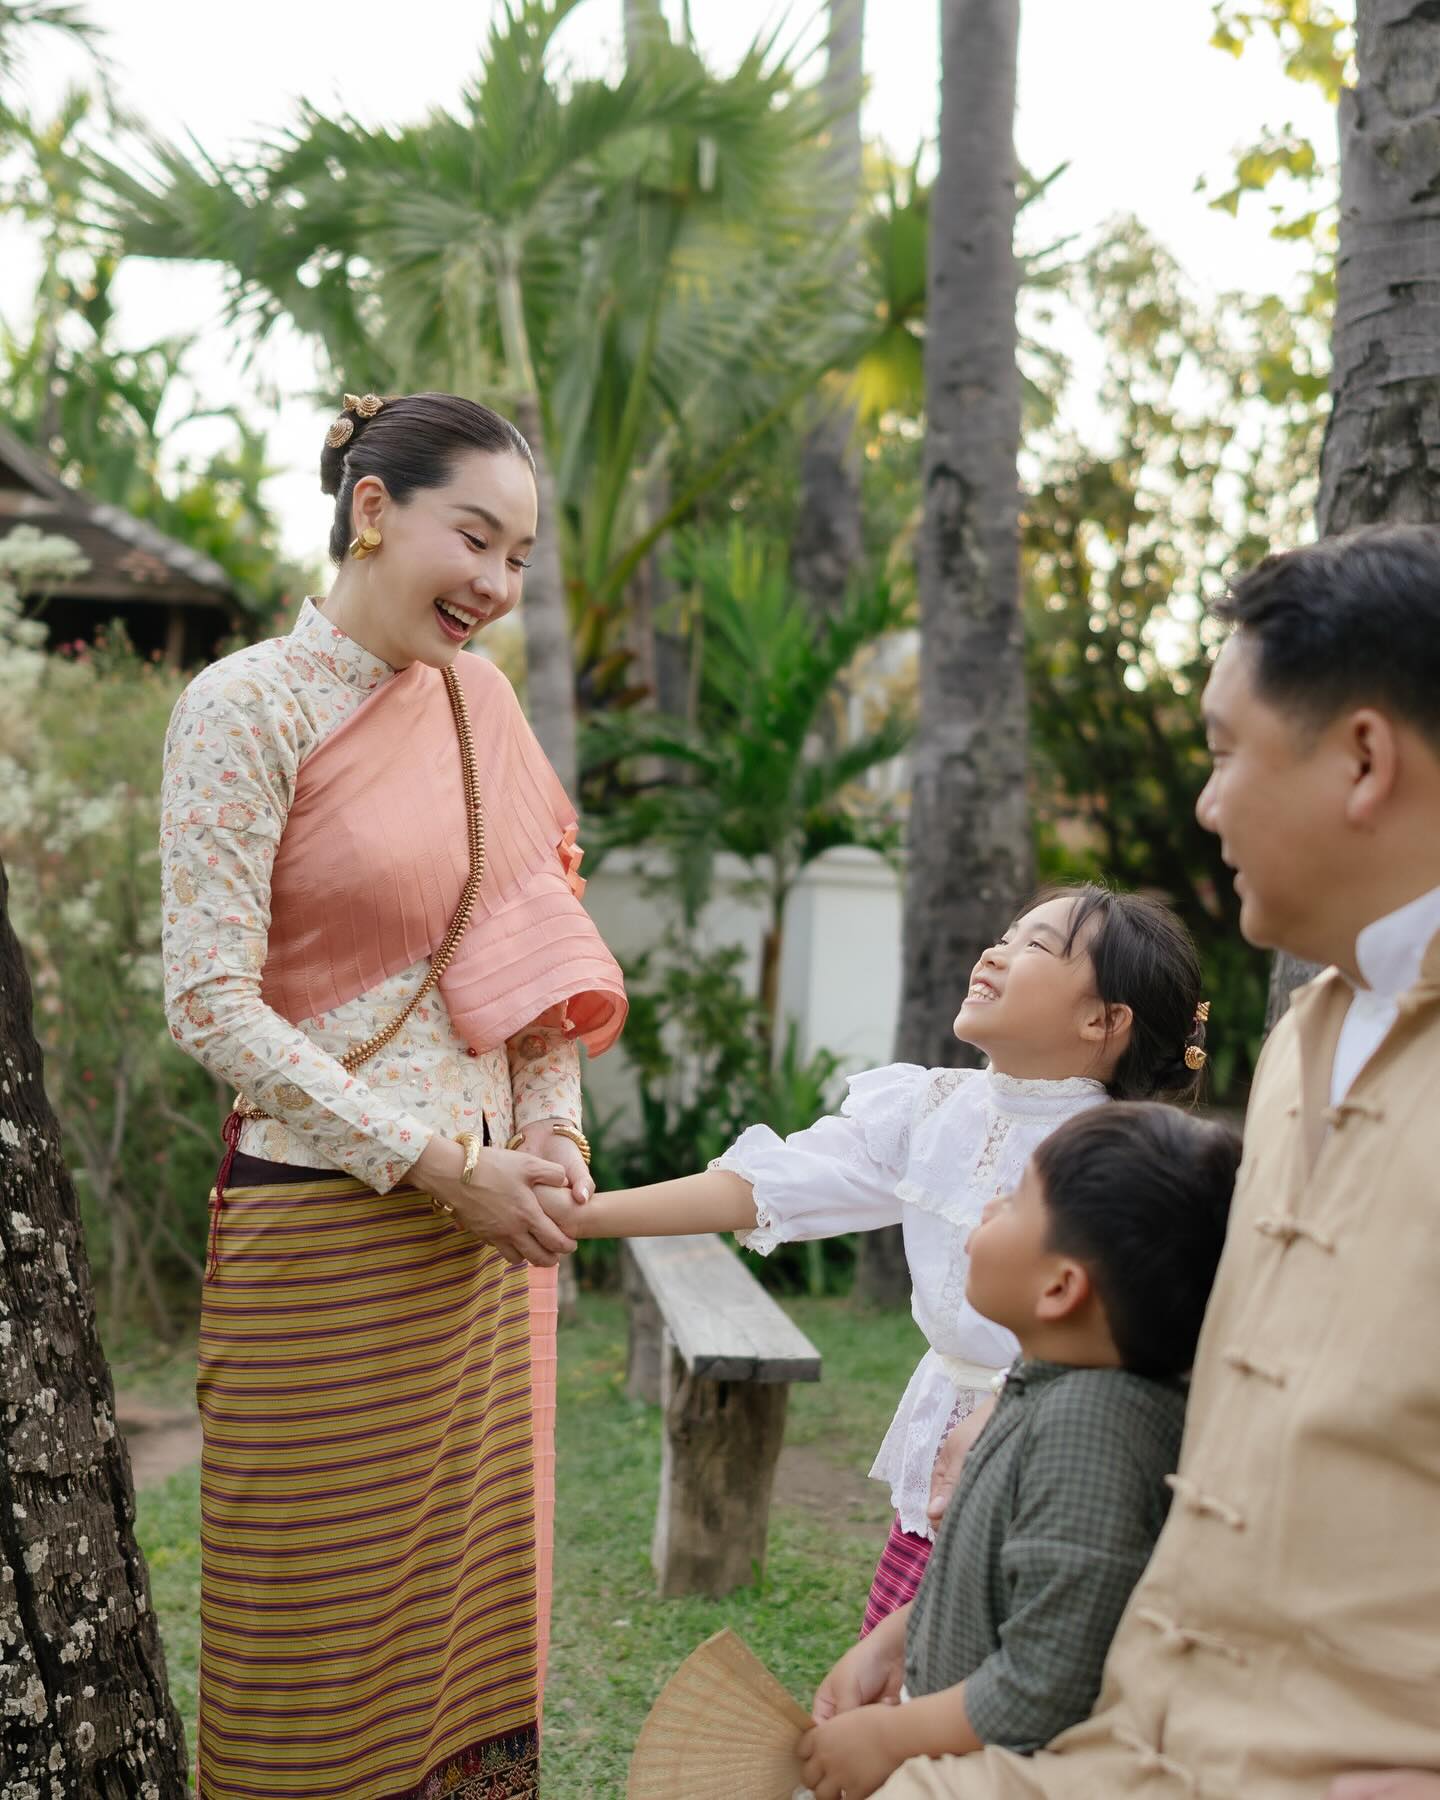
x,y
355,414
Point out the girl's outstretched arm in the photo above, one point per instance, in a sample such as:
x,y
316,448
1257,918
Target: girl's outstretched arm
x,y
714,1201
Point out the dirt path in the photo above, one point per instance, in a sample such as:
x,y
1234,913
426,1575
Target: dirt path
x,y
160,1443
842,1494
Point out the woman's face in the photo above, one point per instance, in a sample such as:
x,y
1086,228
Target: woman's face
x,y
451,562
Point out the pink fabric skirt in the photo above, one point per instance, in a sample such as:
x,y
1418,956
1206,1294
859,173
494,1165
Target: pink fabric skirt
x,y
897,1575
543,1364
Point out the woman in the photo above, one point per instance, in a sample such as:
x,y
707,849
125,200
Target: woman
x,y
373,933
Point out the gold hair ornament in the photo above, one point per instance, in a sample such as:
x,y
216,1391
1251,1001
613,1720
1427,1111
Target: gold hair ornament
x,y
1195,1057
366,543
339,433
1202,1013
365,406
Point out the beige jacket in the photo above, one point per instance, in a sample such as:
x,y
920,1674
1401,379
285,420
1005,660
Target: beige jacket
x,y
1288,1627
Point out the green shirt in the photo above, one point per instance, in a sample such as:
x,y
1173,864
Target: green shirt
x,y
1053,1522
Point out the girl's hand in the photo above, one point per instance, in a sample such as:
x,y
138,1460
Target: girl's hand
x,y
950,1459
851,1755
499,1203
542,1139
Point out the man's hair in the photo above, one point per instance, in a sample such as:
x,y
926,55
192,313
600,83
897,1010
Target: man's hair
x,y
1350,621
1139,1193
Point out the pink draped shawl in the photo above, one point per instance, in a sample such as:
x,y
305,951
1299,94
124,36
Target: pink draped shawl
x,y
374,856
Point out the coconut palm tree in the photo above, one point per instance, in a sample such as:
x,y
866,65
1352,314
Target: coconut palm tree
x,y
618,263
969,856
1380,459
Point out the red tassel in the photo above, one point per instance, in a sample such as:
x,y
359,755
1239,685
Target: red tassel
x,y
230,1132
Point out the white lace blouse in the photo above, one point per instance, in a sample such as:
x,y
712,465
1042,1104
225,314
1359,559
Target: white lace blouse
x,y
925,1149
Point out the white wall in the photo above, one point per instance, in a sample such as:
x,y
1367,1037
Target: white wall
x,y
839,973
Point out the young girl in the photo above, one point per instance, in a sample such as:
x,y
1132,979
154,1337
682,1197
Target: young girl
x,y
1090,995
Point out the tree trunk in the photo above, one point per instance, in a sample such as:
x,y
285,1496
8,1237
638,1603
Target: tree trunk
x,y
969,853
549,659
84,1707
1382,449
827,544
644,24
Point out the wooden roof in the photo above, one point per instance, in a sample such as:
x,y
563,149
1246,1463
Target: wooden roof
x,y
129,560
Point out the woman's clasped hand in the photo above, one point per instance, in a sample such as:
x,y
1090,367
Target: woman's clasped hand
x,y
501,1203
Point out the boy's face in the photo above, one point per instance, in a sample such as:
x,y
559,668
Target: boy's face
x,y
1010,1260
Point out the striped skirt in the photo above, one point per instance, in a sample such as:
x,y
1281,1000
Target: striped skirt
x,y
897,1575
370,1537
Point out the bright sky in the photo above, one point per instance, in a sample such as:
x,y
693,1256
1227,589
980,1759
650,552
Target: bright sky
x,y
1128,92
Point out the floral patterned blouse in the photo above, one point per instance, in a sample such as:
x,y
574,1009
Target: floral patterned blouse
x,y
237,738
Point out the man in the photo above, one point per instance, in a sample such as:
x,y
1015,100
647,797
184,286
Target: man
x,y
1284,1643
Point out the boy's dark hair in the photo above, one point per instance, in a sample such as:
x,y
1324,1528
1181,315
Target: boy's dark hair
x,y
413,442
1140,1195
1145,959
1350,621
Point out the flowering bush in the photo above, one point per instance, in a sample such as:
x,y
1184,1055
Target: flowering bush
x,y
80,750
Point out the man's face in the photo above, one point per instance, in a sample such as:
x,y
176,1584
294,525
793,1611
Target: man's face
x,y
1276,799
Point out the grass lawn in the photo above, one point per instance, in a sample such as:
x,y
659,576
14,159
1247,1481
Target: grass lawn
x,y
614,1643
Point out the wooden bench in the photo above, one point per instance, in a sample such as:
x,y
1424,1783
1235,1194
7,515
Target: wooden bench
x,y
710,1345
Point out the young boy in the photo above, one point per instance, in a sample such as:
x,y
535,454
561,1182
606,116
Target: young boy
x,y
1101,1263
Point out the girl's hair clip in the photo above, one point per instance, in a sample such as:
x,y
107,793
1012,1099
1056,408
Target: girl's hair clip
x,y
1195,1057
1202,1013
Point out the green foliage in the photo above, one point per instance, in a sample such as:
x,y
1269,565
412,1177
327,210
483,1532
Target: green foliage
x,y
79,785
1316,39
700,1048
765,769
104,412
1218,418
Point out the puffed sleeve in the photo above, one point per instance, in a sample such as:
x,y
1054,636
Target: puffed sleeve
x,y
837,1175
227,786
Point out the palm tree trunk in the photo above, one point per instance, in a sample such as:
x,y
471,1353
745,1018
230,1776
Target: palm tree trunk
x,y
969,859
549,660
644,24
85,1703
827,544
1382,448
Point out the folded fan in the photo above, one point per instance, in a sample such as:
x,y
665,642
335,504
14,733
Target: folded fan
x,y
723,1728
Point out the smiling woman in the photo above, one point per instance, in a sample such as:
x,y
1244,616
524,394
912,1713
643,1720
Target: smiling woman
x,y
373,931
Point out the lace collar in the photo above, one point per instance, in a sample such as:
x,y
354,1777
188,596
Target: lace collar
x,y
1011,1094
342,656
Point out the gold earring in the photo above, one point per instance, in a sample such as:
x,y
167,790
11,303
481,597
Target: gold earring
x,y
366,543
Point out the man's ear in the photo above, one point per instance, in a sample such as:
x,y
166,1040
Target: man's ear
x,y
1371,749
1067,1288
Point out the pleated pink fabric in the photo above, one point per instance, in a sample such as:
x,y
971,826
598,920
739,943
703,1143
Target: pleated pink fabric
x,y
374,857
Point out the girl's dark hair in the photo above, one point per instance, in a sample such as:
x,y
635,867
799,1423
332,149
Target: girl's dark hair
x,y
1141,1196
1145,959
413,442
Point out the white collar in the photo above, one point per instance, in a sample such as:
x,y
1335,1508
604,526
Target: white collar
x,y
1015,1094
1389,951
356,666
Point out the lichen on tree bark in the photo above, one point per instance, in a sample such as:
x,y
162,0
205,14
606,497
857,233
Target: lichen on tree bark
x,y
84,1708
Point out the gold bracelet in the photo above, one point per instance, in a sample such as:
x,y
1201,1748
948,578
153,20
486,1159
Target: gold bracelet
x,y
472,1146
558,1128
576,1137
